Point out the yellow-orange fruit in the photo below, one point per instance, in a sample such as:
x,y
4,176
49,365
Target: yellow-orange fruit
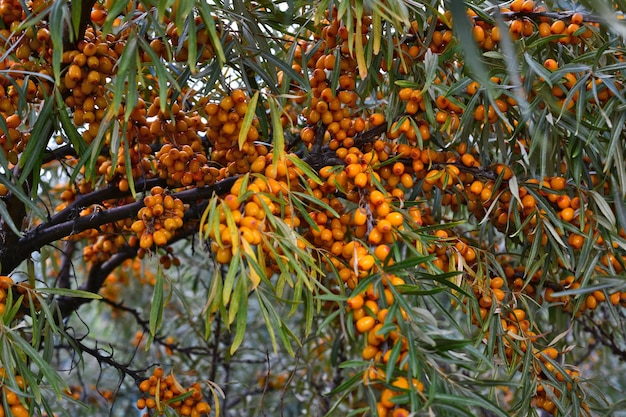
x,y
365,324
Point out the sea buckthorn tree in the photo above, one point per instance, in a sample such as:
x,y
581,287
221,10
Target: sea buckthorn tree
x,y
376,208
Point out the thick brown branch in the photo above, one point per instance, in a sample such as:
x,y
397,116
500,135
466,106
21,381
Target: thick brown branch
x,y
99,272
97,197
95,280
55,230
63,277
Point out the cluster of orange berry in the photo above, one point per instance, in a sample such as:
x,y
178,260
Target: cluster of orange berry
x,y
5,285
161,216
29,48
525,19
107,239
185,166
88,68
591,301
17,407
78,393
20,289
247,208
546,392
375,186
370,312
162,391
333,60
390,403
223,128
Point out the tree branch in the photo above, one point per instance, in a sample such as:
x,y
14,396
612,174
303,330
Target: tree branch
x,y
96,353
57,228
95,280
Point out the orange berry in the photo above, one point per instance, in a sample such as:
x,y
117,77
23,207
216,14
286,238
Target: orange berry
x,y
557,27
355,302
550,352
529,202
577,18
383,226
398,168
528,6
550,64
19,411
359,217
377,119
496,282
516,5
361,180
544,29
146,241
377,198
558,183
505,171
567,214
159,237
576,241
365,324
395,219
366,262
591,302
405,94
369,352
382,251
476,187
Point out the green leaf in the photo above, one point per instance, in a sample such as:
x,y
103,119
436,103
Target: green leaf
x,y
115,11
68,126
207,17
473,401
55,381
229,281
128,164
57,31
126,65
66,292
264,307
192,43
156,308
242,317
163,76
76,15
307,171
32,157
603,206
248,119
583,290
348,384
416,290
277,132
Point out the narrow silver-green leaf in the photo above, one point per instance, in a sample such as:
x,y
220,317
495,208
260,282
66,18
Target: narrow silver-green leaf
x,y
156,308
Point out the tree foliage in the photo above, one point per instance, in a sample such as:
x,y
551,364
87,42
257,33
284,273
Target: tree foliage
x,y
345,208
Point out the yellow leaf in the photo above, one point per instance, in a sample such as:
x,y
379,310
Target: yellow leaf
x,y
247,120
376,32
360,54
251,258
